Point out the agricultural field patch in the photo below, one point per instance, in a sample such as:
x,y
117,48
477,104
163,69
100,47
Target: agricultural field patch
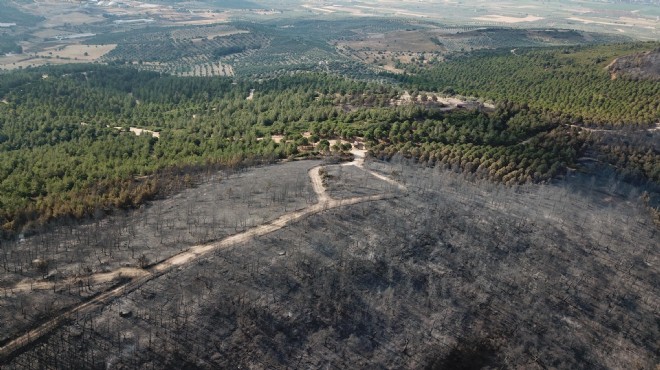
x,y
198,51
430,44
508,19
78,51
205,39
54,55
636,20
70,19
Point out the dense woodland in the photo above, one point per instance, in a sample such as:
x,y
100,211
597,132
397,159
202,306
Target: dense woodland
x,y
67,150
571,81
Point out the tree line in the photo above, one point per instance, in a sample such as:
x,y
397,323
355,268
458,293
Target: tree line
x,y
572,81
67,150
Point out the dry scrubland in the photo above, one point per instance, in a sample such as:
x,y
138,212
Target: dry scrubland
x,y
561,275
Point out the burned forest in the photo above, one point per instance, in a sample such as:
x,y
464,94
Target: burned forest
x,y
303,185
442,272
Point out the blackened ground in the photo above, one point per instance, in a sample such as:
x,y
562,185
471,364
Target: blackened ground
x,y
451,274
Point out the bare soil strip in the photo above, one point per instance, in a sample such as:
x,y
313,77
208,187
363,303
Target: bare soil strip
x,y
139,277
317,184
652,129
359,162
104,277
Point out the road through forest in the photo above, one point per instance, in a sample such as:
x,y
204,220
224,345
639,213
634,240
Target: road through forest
x,y
137,277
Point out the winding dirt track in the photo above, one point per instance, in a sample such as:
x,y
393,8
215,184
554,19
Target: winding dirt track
x,y
359,162
139,277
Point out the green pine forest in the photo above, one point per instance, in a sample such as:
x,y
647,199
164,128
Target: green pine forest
x,y
67,153
570,81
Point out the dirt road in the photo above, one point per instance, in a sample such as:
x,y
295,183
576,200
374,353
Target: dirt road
x,y
139,276
104,277
317,184
358,161
652,129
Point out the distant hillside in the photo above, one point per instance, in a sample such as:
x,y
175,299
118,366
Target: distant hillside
x,y
10,14
226,4
641,66
546,78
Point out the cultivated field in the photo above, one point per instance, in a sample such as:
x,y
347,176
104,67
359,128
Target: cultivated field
x,y
505,19
356,39
634,20
420,46
58,54
64,34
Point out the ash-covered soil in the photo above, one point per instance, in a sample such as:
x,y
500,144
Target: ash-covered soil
x,y
642,66
450,274
43,274
347,181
